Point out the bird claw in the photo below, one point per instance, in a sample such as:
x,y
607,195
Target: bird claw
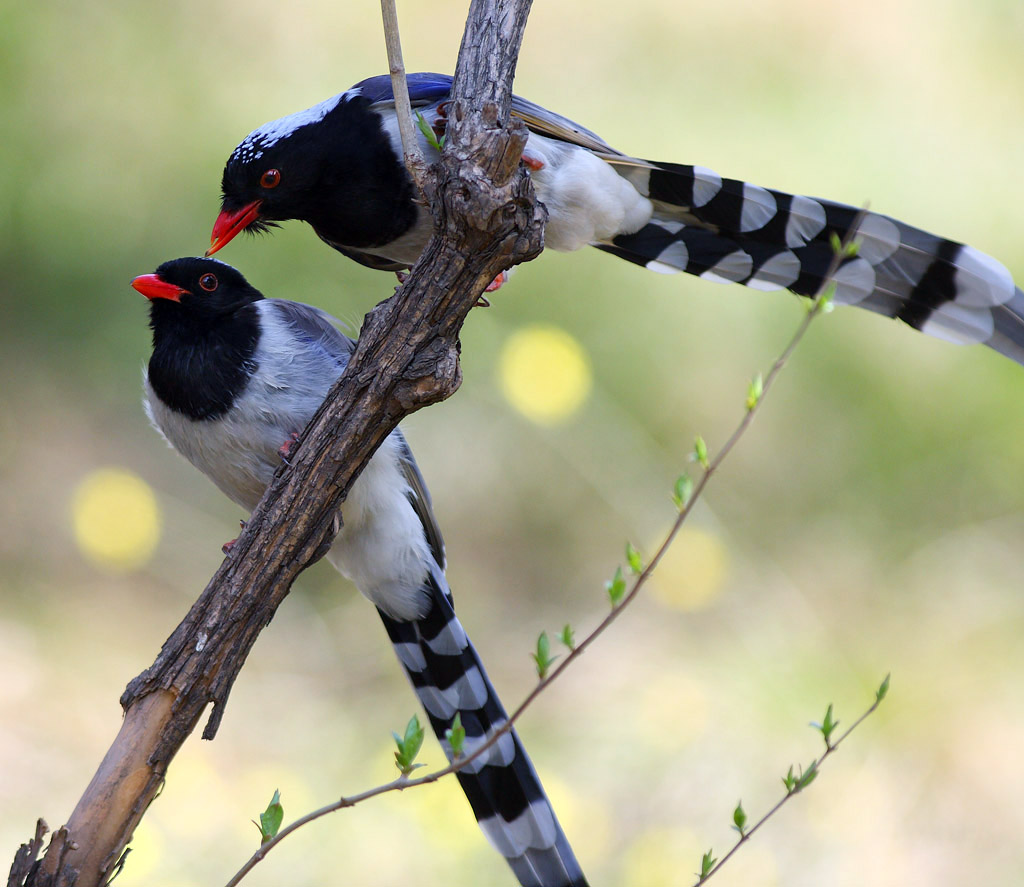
x,y
498,282
227,546
285,450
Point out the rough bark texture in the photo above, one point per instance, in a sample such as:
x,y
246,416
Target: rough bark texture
x,y
407,357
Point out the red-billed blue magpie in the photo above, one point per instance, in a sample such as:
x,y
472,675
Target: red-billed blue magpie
x,y
232,379
338,167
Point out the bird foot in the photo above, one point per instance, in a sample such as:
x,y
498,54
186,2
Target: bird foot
x,y
533,162
227,546
285,450
498,282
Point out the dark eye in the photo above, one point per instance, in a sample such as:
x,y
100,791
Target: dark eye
x,y
270,179
208,282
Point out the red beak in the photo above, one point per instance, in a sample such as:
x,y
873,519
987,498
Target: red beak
x,y
152,287
229,224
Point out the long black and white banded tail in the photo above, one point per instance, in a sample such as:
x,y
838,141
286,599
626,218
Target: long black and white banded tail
x,y
503,789
734,232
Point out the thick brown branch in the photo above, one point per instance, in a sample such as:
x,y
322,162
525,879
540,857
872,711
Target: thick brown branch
x,y
407,358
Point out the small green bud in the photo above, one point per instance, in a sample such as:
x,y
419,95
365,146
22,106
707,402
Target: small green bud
x,y
428,133
682,492
456,735
568,637
636,564
543,656
707,863
754,392
408,746
739,818
827,726
271,819
700,452
616,587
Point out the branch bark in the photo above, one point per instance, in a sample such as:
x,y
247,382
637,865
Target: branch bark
x,y
486,220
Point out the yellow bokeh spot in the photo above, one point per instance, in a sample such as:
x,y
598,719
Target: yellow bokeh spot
x,y
148,851
545,374
116,519
693,571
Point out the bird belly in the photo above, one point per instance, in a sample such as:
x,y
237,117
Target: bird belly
x,y
382,547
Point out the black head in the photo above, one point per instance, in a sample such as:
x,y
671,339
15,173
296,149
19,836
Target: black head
x,y
331,165
205,332
197,289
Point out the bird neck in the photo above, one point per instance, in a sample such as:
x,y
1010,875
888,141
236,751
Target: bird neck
x,y
200,366
367,198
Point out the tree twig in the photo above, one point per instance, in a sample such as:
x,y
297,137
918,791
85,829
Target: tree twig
x,y
413,157
813,767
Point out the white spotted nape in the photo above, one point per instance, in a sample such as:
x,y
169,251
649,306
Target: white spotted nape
x,y
269,134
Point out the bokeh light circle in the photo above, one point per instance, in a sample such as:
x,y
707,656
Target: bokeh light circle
x,y
545,374
115,519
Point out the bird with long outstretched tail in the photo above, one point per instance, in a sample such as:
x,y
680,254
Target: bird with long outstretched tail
x,y
232,381
338,166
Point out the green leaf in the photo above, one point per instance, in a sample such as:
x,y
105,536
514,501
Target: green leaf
x,y
739,818
700,452
883,689
456,735
682,492
636,564
616,587
754,392
543,656
807,777
271,819
408,746
707,863
789,780
827,726
835,243
568,636
428,133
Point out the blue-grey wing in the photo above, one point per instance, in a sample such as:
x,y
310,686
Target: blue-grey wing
x,y
317,328
428,88
424,89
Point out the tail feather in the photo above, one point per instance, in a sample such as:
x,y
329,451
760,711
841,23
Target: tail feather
x,y
731,231
502,786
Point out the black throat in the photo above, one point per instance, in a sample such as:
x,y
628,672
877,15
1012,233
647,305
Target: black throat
x,y
201,365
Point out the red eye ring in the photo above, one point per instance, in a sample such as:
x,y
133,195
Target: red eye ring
x,y
270,179
208,282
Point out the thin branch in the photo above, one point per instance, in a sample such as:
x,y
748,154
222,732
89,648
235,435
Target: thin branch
x,y
815,765
413,157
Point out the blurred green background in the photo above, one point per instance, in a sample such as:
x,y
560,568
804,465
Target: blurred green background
x,y
872,520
